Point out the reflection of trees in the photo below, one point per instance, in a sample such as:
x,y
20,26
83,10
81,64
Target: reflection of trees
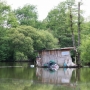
x,y
24,79
14,84
83,78
18,73
78,74
21,84
85,75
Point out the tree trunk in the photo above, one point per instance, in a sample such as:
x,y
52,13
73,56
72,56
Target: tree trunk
x,y
78,32
71,26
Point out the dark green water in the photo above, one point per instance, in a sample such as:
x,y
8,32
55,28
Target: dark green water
x,y
20,76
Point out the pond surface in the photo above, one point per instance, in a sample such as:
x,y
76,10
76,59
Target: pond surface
x,y
20,76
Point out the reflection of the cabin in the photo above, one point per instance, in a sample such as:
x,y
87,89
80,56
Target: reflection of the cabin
x,y
61,76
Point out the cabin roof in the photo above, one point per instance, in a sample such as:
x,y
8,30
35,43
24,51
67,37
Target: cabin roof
x,y
61,49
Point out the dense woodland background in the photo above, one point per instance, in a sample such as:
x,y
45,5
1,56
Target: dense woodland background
x,y
22,34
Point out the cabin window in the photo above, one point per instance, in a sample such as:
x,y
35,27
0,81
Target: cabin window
x,y
65,53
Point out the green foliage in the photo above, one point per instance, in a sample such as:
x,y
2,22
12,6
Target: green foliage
x,y
58,22
85,42
27,15
20,42
12,20
85,50
41,25
4,10
24,40
7,17
19,56
4,45
65,40
47,40
62,22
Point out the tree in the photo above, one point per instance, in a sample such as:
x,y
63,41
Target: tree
x,y
62,22
4,10
58,23
85,42
27,15
12,21
45,41
4,45
24,40
85,50
7,17
21,45
70,5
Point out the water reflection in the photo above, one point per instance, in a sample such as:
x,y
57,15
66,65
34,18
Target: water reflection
x,y
27,78
61,76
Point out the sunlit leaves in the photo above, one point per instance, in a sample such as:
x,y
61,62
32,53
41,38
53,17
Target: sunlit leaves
x,y
24,40
20,44
4,46
4,10
85,42
20,56
85,50
58,22
12,21
27,15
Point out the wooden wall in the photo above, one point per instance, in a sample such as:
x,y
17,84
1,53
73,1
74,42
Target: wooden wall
x,y
59,56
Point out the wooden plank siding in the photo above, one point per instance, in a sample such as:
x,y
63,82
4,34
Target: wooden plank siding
x,y
58,55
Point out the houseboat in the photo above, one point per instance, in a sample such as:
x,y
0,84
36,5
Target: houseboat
x,y
61,57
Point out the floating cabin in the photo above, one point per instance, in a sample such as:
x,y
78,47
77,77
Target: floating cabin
x,y
61,56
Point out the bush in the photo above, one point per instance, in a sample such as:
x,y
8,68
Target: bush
x,y
19,56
